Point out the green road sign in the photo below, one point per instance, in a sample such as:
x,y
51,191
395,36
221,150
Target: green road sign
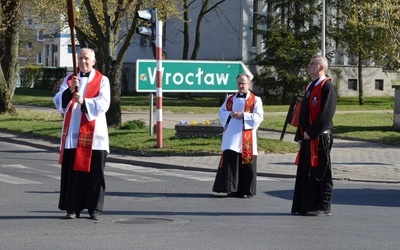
x,y
190,76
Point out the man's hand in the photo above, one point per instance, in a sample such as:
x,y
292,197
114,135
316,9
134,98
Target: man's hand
x,y
75,82
78,98
237,114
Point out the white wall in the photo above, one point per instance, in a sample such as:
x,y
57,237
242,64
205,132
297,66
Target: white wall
x,y
370,74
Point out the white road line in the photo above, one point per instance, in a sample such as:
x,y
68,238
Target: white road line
x,y
193,175
199,176
15,166
15,180
131,177
133,173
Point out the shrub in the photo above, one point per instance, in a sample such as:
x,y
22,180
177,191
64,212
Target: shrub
x,y
30,75
133,125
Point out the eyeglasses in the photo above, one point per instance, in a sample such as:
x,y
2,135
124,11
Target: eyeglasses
x,y
240,83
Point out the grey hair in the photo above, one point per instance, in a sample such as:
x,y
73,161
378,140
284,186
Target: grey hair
x,y
244,74
91,51
322,60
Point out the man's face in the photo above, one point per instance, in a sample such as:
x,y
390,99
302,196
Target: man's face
x,y
243,84
313,68
86,61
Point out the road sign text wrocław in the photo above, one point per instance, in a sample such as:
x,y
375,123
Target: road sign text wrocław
x,y
190,76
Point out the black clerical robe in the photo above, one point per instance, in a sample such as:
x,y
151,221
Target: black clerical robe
x,y
314,185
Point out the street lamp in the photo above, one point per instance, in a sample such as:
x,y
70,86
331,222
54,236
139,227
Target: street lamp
x,y
154,32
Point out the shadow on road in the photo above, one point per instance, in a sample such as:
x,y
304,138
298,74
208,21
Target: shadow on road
x,y
358,197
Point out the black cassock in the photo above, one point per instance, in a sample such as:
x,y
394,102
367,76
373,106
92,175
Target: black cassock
x,y
314,186
82,190
235,177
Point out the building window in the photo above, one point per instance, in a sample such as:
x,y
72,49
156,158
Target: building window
x,y
39,58
379,84
39,35
47,55
352,84
255,15
77,48
54,55
29,45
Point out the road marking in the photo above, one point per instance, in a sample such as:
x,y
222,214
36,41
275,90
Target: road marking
x,y
15,166
199,176
130,173
192,175
131,177
15,180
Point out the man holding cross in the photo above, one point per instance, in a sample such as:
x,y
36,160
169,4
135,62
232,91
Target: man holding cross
x,y
83,100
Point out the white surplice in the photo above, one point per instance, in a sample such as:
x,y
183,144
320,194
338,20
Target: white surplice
x,y
232,137
96,110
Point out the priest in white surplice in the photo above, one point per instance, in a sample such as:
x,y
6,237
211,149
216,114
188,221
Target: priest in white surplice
x,y
240,114
83,100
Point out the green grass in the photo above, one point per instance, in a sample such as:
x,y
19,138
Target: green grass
x,y
48,125
351,121
374,126
204,105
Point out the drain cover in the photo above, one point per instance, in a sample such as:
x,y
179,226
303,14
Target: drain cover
x,y
146,220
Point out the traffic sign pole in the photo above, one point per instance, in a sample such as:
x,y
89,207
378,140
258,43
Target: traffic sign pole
x,y
159,26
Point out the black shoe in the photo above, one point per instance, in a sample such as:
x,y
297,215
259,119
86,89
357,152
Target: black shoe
x,y
318,213
234,194
299,213
94,216
244,196
70,216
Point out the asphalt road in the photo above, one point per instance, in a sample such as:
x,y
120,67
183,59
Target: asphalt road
x,y
155,208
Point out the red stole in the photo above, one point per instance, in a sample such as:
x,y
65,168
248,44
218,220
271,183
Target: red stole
x,y
83,154
247,138
314,106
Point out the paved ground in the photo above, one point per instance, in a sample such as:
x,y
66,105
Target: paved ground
x,y
351,160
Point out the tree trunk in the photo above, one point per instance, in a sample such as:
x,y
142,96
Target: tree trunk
x,y
198,30
186,35
114,112
10,57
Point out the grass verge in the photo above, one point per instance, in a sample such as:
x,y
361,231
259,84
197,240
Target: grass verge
x,y
372,121
137,140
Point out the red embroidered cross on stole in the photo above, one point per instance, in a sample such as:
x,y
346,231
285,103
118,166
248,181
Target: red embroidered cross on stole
x,y
247,135
83,154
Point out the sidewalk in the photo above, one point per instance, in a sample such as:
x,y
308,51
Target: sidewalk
x,y
351,160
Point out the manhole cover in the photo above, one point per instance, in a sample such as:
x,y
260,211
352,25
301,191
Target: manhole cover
x,y
147,220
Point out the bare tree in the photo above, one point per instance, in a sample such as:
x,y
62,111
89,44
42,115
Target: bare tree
x,y
205,8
